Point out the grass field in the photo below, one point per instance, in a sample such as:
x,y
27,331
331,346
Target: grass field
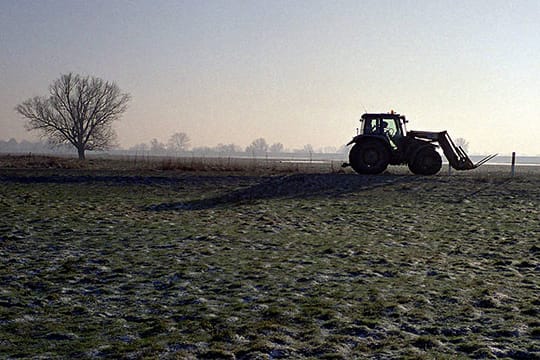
x,y
266,262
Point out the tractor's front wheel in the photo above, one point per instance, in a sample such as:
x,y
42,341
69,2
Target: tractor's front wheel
x,y
426,162
369,157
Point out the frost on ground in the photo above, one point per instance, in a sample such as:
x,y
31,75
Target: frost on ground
x,y
266,267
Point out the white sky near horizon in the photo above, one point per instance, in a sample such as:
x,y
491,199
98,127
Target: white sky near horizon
x,y
296,72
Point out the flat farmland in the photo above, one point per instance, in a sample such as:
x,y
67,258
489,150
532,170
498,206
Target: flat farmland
x,y
105,263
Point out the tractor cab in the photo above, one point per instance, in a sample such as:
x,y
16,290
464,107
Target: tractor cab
x,y
390,126
381,124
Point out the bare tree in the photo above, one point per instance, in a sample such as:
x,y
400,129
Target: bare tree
x,y
276,148
308,149
227,148
78,111
178,142
157,147
258,146
461,142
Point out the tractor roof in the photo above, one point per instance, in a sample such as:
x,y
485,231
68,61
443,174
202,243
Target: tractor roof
x,y
391,115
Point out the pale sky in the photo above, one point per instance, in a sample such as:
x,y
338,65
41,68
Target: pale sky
x,y
291,71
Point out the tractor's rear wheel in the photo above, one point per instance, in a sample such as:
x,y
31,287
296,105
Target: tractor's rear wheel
x,y
369,157
426,162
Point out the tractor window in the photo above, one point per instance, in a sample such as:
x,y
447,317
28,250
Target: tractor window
x,y
392,131
390,128
370,126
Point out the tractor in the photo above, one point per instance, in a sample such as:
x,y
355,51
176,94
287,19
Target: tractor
x,y
383,140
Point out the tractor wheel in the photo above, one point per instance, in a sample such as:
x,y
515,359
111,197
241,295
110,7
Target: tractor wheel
x,y
369,157
426,162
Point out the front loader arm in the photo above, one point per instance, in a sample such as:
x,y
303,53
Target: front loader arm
x,y
456,156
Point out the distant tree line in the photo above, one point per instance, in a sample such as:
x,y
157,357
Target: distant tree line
x,y
37,147
179,143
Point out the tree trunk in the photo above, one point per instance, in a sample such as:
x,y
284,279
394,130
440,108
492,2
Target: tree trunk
x,y
80,150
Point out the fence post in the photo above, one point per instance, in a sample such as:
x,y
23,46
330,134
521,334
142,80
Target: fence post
x,y
513,163
449,169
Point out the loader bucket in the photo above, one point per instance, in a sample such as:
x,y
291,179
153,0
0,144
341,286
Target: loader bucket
x,y
456,156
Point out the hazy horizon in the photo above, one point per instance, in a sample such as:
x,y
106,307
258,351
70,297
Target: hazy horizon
x,y
292,72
